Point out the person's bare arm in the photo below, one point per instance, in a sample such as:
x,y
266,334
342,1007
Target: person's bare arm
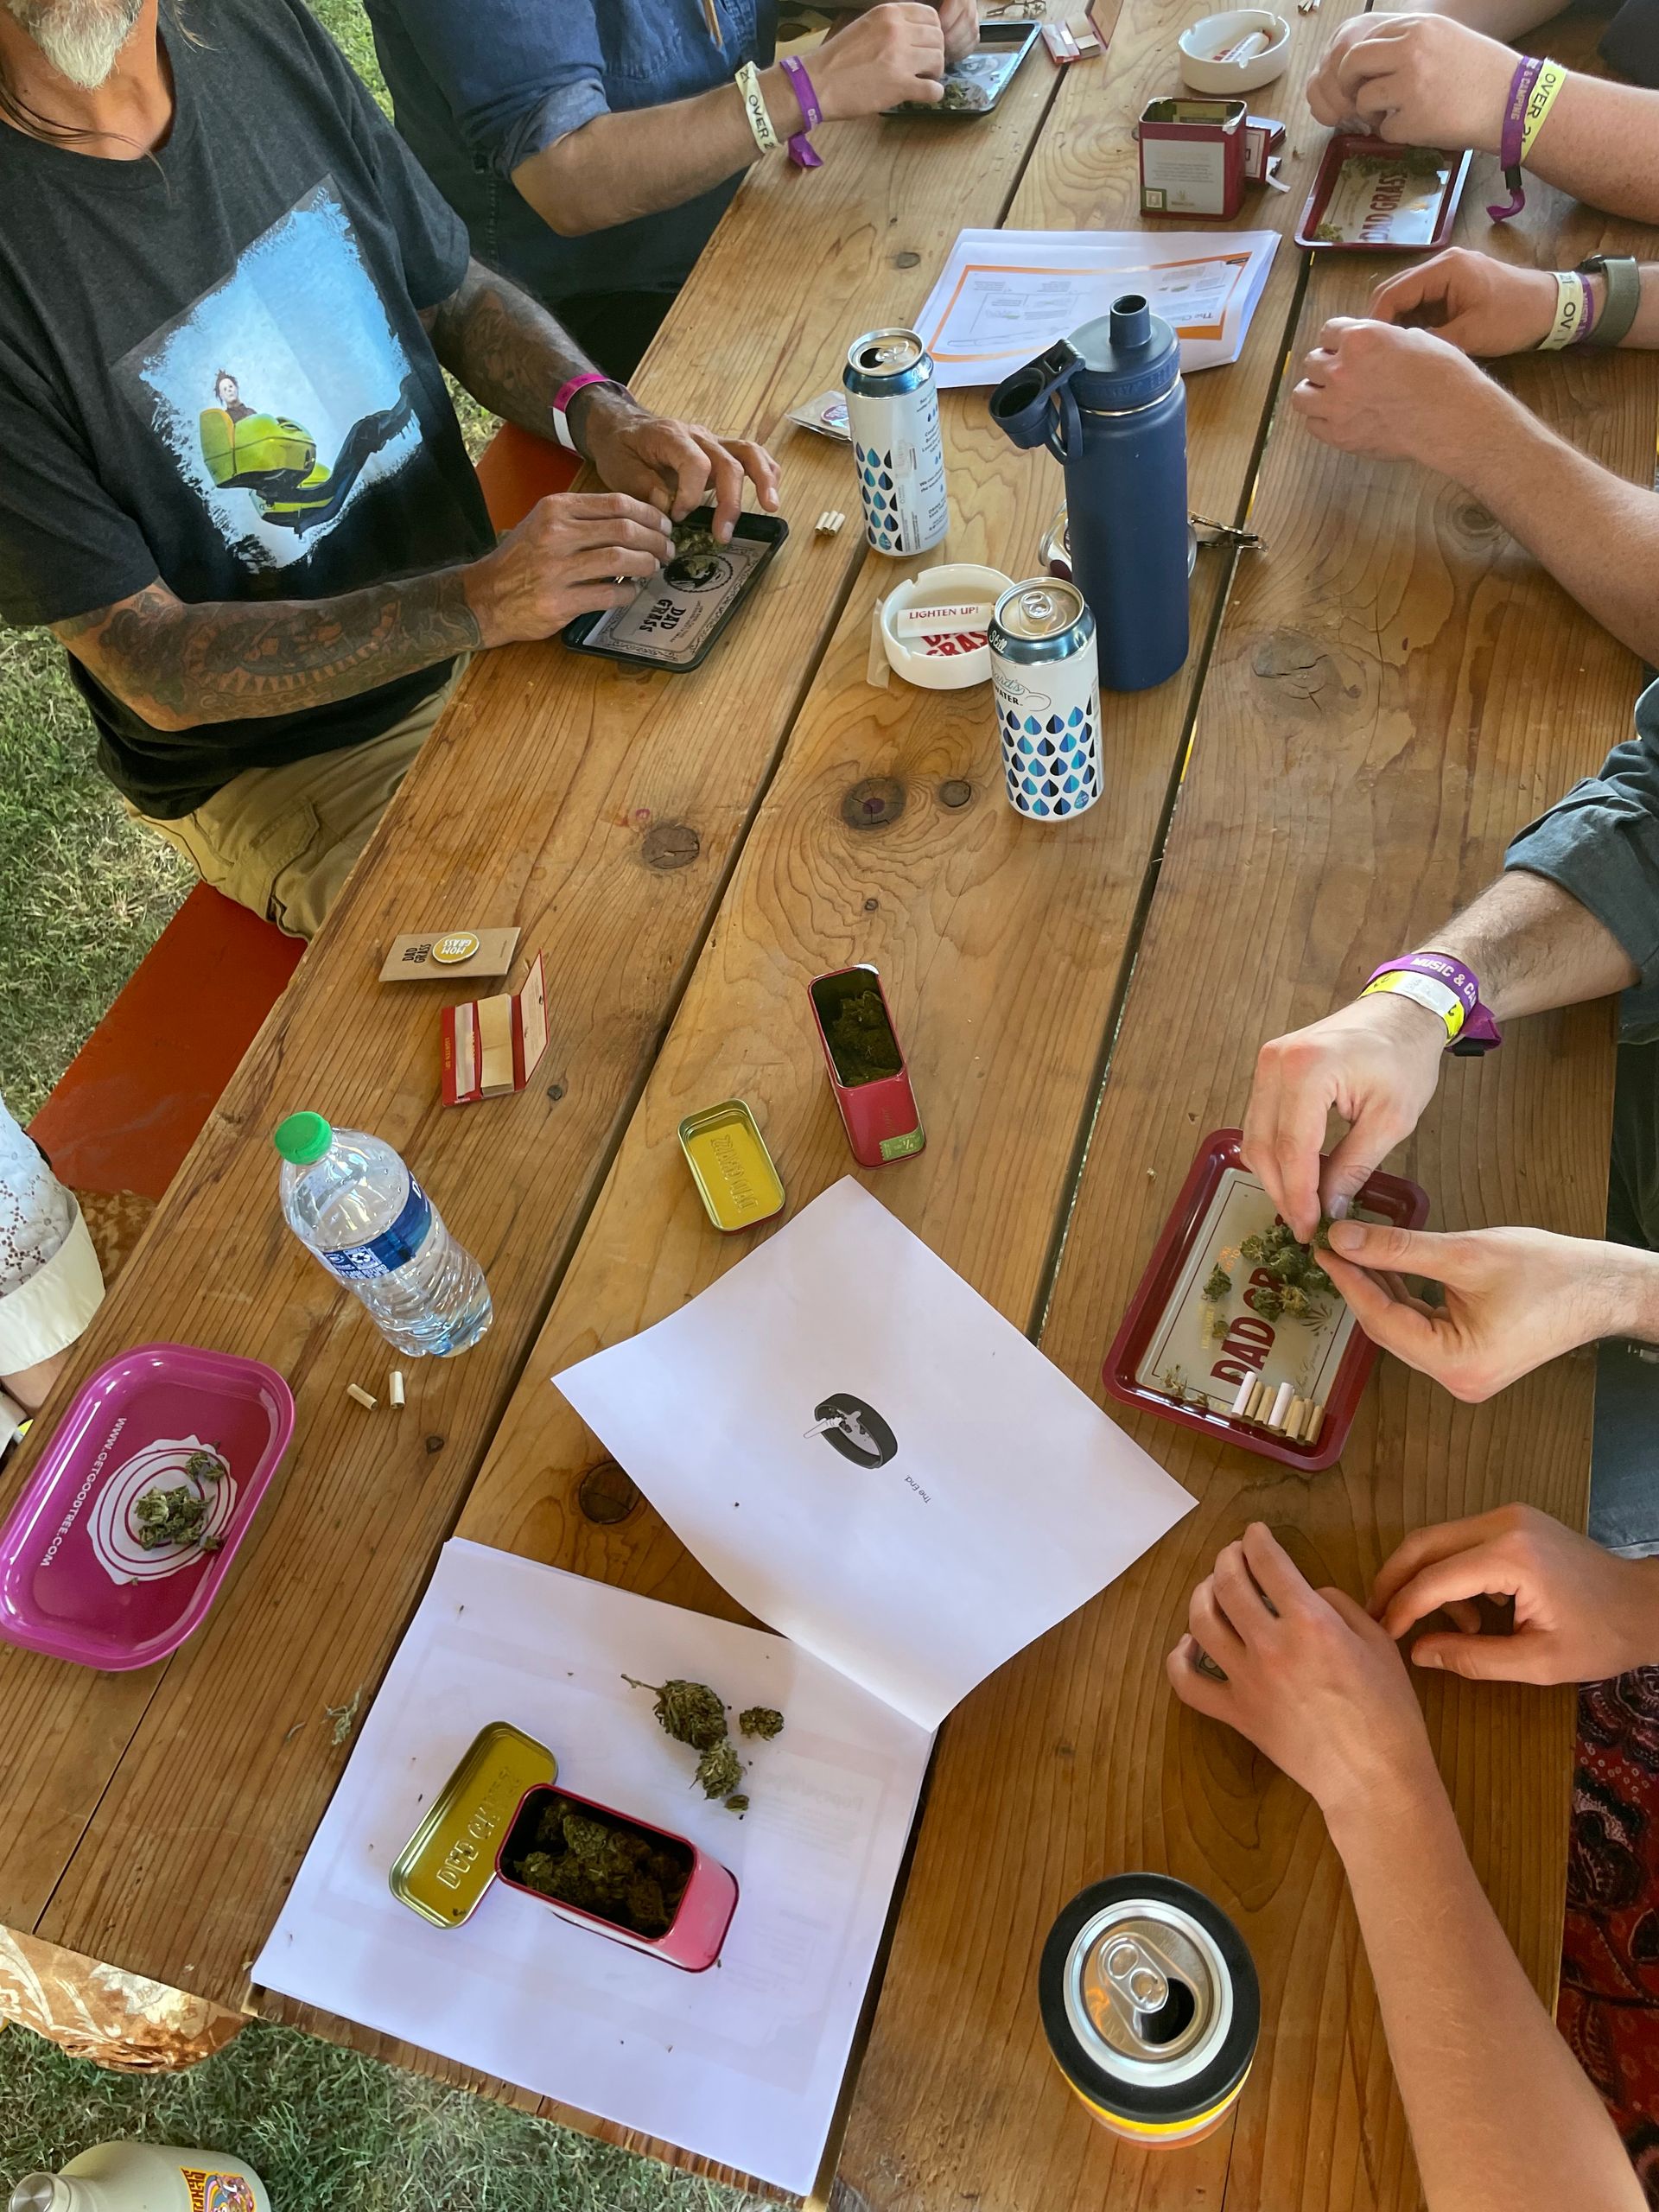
x,y
1500,2114
1504,19
176,664
642,161
1376,1063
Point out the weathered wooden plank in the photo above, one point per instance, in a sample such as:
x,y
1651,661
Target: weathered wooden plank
x,y
1396,689
543,799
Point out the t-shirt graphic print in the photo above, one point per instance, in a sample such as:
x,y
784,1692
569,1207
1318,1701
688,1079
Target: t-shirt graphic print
x,y
283,392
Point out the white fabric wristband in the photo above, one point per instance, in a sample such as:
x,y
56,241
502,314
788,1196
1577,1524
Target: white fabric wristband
x,y
1572,296
47,1311
1437,998
748,81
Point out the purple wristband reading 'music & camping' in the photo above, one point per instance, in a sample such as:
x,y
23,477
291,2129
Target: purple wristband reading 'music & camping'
x,y
1476,1032
801,151
1514,125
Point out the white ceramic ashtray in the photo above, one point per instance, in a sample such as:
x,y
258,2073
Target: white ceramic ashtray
x,y
1240,34
944,662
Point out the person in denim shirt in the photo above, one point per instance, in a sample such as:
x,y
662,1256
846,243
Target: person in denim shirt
x,y
591,146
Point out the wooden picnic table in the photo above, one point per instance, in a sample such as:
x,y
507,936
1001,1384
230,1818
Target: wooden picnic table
x,y
1371,708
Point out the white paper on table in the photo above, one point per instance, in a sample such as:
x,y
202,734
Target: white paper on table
x,y
741,2064
1009,1501
1003,296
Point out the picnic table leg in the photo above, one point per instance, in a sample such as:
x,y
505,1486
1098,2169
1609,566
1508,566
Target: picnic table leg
x,y
95,2011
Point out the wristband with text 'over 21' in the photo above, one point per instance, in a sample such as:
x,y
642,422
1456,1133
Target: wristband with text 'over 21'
x,y
1445,989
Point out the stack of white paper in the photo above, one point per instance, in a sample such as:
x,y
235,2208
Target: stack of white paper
x,y
1003,296
872,1460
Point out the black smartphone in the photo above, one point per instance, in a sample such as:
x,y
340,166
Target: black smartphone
x,y
674,619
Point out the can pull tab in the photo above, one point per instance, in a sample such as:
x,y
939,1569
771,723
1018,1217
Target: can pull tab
x,y
1136,1976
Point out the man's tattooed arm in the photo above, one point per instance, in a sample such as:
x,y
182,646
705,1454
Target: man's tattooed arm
x,y
508,351
177,665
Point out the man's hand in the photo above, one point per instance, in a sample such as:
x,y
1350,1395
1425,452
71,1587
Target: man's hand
x,y
1311,1680
564,559
959,21
1479,305
892,52
1376,1063
1581,1615
672,467
1514,1298
1397,395
1415,80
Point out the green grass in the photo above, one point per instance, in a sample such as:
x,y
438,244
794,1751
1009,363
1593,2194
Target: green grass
x,y
85,893
328,2131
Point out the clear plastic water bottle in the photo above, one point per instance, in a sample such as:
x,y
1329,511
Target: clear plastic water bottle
x,y
349,1199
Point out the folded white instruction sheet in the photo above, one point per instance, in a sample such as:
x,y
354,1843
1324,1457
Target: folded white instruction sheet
x,y
741,2064
865,1453
1004,296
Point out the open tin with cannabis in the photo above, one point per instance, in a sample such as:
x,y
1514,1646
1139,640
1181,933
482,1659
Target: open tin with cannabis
x,y
1235,1326
623,1878
866,1065
1369,197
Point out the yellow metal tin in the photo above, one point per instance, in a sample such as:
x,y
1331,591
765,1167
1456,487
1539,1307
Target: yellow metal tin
x,y
730,1166
444,1868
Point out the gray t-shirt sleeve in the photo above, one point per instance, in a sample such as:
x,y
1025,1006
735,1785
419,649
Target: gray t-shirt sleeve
x,y
1600,843
66,547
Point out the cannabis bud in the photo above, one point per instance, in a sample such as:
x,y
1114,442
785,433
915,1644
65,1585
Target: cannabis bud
x,y
689,1712
760,1720
720,1770
738,1803
169,1516
601,1866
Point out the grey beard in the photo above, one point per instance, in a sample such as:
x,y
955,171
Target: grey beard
x,y
81,39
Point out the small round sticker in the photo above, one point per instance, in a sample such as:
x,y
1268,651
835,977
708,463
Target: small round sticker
x,y
449,950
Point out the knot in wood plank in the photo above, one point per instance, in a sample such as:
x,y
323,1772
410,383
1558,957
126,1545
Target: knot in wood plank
x,y
872,803
957,792
1302,668
670,844
606,1495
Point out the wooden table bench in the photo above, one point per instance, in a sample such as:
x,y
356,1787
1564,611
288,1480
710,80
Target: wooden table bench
x,y
1389,690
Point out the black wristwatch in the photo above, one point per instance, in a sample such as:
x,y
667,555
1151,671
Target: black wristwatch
x,y
1623,278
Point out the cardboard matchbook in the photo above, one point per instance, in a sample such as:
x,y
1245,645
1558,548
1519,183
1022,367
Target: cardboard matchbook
x,y
492,1046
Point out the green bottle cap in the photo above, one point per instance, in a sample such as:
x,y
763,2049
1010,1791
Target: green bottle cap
x,y
302,1138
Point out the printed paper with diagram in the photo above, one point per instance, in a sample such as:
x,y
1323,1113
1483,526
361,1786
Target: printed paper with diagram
x,y
1003,296
872,1460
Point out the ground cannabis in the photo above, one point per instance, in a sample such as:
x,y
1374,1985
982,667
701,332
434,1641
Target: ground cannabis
x,y
861,1042
170,1516
760,1720
619,1873
689,1712
720,1770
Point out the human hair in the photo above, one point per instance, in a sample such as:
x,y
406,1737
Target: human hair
x,y
18,113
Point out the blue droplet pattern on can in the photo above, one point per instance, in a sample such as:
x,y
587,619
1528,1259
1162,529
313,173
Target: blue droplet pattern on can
x,y
1053,761
876,487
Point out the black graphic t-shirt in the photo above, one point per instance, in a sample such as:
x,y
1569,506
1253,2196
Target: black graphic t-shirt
x,y
212,373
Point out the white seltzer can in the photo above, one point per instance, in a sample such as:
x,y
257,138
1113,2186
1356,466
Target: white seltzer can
x,y
1044,672
893,411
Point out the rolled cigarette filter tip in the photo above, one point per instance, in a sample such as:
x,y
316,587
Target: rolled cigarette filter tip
x,y
356,1390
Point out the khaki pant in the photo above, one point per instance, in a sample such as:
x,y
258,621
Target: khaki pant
x,y
283,840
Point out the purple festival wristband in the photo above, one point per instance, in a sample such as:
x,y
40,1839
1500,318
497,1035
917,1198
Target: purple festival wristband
x,y
801,151
1514,125
1478,1032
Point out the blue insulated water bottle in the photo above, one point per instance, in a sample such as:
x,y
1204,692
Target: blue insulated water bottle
x,y
1109,405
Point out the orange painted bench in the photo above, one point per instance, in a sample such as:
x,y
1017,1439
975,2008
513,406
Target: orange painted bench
x,y
129,1105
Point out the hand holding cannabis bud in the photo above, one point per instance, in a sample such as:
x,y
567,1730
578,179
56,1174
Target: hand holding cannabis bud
x,y
1511,1297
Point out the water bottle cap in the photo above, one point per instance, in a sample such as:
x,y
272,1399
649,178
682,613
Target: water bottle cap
x,y
1129,357
41,2193
302,1138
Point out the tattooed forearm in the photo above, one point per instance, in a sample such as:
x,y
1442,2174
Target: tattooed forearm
x,y
506,349
178,665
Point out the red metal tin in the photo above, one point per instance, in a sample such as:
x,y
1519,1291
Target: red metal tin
x,y
1191,156
1350,145
701,1919
879,1114
1387,1198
